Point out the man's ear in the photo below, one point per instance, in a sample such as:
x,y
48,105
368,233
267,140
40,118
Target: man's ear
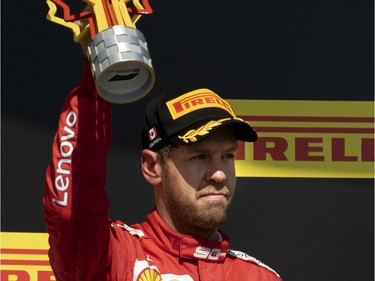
x,y
150,167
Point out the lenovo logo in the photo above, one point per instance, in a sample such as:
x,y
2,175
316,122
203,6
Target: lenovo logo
x,y
63,171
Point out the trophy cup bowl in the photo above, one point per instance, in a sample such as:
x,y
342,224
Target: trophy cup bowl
x,y
121,64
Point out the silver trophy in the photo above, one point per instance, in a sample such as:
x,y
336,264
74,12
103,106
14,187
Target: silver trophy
x,y
118,53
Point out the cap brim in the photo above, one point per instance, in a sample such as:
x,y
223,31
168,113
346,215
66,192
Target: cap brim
x,y
243,130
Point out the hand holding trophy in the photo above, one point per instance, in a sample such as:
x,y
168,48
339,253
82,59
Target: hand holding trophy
x,y
118,52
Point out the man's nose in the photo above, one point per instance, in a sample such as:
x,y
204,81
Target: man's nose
x,y
218,176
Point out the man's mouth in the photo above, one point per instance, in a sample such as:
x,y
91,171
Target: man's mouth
x,y
214,196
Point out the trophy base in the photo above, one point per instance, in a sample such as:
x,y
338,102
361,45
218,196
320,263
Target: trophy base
x,y
121,64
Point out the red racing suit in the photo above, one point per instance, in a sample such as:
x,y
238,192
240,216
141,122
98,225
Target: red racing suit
x,y
86,245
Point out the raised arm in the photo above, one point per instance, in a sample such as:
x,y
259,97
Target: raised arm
x,y
75,201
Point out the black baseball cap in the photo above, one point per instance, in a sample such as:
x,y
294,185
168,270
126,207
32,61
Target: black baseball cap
x,y
188,117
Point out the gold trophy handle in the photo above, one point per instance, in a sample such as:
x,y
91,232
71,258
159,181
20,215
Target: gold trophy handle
x,y
104,15
68,20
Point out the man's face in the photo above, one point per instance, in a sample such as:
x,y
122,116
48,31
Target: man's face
x,y
198,183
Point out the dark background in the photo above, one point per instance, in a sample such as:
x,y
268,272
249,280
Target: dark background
x,y
306,229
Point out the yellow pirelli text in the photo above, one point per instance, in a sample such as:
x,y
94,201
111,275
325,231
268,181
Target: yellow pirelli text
x,y
196,100
24,257
322,139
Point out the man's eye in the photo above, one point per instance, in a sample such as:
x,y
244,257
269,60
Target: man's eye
x,y
229,156
200,157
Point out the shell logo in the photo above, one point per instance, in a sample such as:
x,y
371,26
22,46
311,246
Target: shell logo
x,y
149,274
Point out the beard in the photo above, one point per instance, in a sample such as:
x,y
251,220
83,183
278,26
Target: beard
x,y
212,215
195,212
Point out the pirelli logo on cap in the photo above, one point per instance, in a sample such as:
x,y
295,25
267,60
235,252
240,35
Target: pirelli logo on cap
x,y
321,139
195,100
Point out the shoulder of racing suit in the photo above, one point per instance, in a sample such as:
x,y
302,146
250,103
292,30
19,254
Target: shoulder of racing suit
x,y
246,257
135,232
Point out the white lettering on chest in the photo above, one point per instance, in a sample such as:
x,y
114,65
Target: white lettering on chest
x,y
208,253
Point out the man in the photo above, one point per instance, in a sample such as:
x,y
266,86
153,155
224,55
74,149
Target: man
x,y
189,144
